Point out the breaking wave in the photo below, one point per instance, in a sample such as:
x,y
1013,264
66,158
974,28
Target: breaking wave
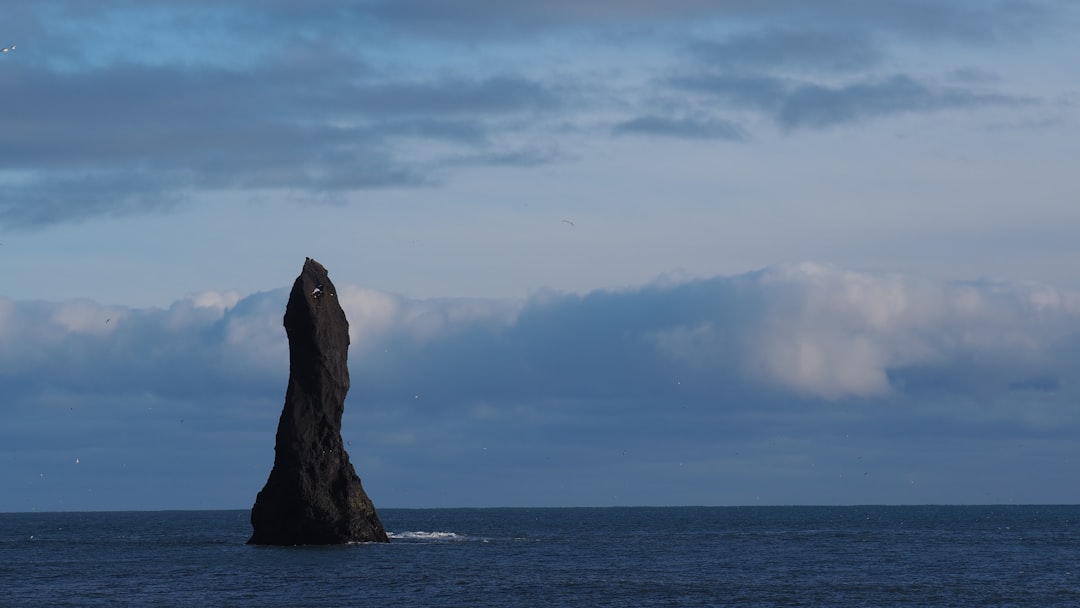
x,y
426,536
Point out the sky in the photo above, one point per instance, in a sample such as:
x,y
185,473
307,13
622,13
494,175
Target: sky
x,y
592,253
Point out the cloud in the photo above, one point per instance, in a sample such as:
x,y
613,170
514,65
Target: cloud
x,y
789,48
688,128
195,345
844,334
964,19
127,138
821,67
779,364
32,202
967,20
793,104
124,108
809,330
492,18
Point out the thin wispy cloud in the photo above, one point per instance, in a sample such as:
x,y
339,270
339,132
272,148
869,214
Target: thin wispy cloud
x,y
795,104
319,99
790,49
137,139
690,128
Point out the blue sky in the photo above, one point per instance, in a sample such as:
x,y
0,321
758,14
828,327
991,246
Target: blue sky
x,y
591,252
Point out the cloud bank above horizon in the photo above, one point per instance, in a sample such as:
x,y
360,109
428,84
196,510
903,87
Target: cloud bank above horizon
x,y
771,366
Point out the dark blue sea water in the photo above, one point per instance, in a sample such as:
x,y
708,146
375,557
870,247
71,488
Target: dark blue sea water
x,y
674,556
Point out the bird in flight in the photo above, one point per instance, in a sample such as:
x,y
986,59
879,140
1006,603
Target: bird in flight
x,y
7,48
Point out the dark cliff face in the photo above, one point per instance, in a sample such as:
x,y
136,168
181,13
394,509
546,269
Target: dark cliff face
x,y
313,495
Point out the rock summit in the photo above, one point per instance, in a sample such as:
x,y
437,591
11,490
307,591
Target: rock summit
x,y
313,495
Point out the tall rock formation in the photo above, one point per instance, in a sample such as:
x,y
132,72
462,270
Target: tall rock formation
x,y
313,495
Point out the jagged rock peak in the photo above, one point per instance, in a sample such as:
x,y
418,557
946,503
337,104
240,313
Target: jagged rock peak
x,y
313,495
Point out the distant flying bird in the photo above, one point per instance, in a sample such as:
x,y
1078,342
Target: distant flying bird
x,y
7,48
569,222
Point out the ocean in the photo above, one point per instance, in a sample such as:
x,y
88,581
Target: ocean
x,y
638,556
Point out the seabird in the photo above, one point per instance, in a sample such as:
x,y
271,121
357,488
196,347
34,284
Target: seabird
x,y
569,222
7,48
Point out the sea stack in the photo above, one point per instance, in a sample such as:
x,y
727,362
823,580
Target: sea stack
x,y
313,495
